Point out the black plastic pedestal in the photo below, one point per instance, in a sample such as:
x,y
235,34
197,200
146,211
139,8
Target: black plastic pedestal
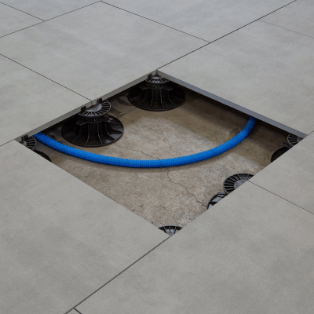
x,y
93,127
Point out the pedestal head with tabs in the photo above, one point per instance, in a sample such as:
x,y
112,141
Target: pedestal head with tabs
x,y
156,94
93,127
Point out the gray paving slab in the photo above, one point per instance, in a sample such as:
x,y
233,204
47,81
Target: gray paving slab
x,y
47,9
29,102
60,240
297,17
99,50
12,20
291,176
262,70
252,253
208,20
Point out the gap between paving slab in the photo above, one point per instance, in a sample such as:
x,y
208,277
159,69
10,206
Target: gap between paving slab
x,y
12,20
47,9
31,102
21,11
123,271
152,20
297,17
268,190
291,176
197,17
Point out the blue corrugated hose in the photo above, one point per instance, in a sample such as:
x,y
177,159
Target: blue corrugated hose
x,y
160,163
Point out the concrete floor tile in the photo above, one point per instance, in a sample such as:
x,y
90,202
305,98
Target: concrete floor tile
x,y
262,70
291,176
30,101
12,20
99,50
47,9
208,20
298,17
252,253
60,240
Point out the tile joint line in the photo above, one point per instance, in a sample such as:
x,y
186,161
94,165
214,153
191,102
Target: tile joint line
x,y
208,43
259,19
290,30
120,273
54,16
44,76
281,197
72,11
6,143
21,11
21,29
146,18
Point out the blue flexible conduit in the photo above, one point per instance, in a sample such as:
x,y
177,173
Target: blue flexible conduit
x,y
159,163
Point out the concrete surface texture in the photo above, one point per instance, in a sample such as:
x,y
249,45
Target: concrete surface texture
x,y
208,20
291,176
47,9
12,20
263,70
174,195
252,253
296,17
60,240
98,50
30,101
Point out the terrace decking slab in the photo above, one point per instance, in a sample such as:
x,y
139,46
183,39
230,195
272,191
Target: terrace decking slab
x,y
262,70
60,240
47,9
291,176
251,253
298,17
30,101
208,20
12,20
99,50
